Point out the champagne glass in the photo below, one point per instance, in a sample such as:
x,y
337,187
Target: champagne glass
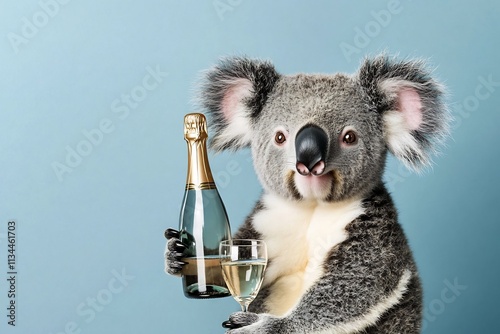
x,y
243,264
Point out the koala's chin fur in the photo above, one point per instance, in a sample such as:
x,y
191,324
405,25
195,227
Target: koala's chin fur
x,y
339,261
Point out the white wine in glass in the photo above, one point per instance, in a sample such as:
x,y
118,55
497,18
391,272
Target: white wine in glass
x,y
243,264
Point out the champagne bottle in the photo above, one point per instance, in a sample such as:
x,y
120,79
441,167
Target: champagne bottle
x,y
203,219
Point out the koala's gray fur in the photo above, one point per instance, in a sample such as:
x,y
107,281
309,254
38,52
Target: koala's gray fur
x,y
367,280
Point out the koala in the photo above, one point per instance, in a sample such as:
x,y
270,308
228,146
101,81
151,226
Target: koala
x,y
339,261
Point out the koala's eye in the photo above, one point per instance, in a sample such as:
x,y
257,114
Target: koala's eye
x,y
279,138
350,138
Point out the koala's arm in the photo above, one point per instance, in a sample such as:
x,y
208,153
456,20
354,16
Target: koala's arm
x,y
365,277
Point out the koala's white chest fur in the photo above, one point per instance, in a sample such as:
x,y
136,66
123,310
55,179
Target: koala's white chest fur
x,y
299,236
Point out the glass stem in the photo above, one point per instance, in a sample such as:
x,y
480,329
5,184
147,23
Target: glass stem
x,y
244,307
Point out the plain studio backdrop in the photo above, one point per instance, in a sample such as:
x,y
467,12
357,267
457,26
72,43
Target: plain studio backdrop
x,y
93,161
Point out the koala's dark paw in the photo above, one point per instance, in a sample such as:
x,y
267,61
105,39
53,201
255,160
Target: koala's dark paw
x,y
238,320
174,252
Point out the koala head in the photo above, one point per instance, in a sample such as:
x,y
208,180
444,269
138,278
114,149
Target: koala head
x,y
324,137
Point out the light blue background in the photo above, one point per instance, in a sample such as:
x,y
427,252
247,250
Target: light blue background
x,y
108,215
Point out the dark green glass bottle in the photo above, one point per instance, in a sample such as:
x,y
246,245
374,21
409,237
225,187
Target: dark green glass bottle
x,y
203,219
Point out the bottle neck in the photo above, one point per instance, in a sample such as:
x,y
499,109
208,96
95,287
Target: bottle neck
x,y
199,175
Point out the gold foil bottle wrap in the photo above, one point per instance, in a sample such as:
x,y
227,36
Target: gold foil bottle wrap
x,y
199,175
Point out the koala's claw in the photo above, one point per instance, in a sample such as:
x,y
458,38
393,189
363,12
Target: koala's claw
x,y
240,319
176,246
229,324
174,253
171,233
176,266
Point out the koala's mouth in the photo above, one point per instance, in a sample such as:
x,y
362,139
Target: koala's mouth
x,y
311,186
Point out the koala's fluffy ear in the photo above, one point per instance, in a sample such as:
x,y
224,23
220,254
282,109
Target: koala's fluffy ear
x,y
233,93
414,115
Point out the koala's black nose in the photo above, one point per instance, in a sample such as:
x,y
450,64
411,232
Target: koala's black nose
x,y
311,146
